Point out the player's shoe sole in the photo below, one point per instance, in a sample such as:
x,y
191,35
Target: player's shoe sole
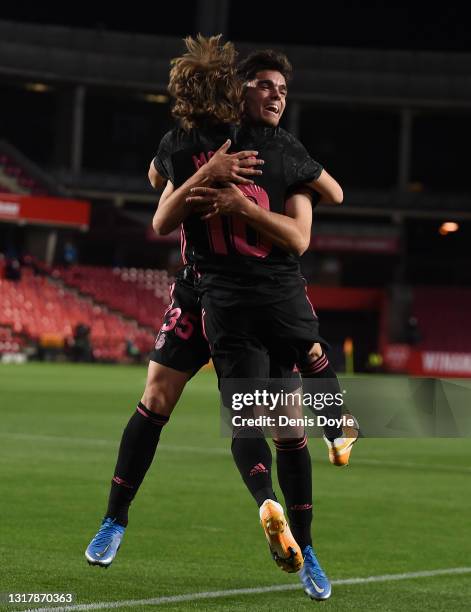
x,y
283,547
339,453
100,563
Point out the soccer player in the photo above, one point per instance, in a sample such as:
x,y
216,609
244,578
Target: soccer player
x,y
181,326
244,327
254,304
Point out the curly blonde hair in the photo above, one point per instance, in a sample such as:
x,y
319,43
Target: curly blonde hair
x,y
204,83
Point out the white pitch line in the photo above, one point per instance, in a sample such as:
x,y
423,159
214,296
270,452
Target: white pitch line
x,y
103,442
159,601
201,450
64,439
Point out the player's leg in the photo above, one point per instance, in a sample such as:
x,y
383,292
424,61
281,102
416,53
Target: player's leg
x,y
253,458
293,464
314,366
289,323
141,436
293,326
136,453
293,461
294,469
179,352
238,355
294,323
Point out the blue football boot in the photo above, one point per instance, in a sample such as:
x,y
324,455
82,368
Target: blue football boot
x,y
104,546
315,582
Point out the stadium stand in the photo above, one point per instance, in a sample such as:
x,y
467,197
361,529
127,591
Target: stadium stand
x,y
20,175
44,311
136,293
13,179
10,342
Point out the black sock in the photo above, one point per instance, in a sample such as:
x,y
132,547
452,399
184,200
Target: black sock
x,y
293,463
252,456
328,383
136,452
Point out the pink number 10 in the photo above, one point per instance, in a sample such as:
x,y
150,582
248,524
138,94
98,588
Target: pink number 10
x,y
238,228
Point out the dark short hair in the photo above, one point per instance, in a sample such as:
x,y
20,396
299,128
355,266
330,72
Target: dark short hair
x,y
266,59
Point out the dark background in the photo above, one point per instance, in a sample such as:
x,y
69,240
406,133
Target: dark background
x,y
437,26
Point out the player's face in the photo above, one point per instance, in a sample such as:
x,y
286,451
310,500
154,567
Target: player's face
x,y
265,97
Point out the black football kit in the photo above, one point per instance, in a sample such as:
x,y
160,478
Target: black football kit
x,y
247,298
252,294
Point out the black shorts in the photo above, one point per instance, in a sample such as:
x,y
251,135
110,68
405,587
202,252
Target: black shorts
x,y
180,343
264,341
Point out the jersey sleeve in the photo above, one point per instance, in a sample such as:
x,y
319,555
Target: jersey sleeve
x,y
163,159
299,166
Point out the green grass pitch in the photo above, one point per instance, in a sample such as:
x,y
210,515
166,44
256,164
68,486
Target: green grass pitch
x,y
402,506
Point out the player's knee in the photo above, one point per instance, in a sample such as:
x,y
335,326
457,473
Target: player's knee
x,y
163,388
159,397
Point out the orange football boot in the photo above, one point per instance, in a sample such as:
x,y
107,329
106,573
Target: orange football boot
x,y
340,448
284,548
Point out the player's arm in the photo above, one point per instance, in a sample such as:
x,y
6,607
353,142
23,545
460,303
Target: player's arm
x,y
173,207
170,213
290,231
302,169
167,217
327,187
155,178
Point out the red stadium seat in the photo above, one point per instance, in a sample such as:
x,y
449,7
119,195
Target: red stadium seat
x,y
35,305
139,294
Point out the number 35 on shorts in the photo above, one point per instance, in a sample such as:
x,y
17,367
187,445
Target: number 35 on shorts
x,y
183,324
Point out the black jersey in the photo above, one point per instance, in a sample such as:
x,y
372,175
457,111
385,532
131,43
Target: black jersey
x,y
226,250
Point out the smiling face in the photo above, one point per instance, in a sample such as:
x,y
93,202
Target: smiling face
x,y
265,97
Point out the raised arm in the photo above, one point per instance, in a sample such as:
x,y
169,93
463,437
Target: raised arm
x,y
328,188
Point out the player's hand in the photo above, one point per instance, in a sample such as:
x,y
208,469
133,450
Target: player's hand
x,y
226,167
228,200
202,208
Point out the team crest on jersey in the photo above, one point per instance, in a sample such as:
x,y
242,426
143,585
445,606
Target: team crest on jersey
x,y
160,341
